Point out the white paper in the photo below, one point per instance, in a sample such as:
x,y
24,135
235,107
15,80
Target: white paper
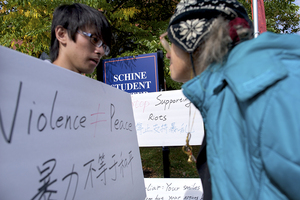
x,y
173,189
64,135
164,119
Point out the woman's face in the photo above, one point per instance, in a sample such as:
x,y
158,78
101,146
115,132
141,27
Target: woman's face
x,y
180,64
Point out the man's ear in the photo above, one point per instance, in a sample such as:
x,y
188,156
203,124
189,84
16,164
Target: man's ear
x,y
61,34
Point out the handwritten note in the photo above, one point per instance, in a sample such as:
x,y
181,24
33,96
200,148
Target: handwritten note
x,y
165,118
63,135
173,188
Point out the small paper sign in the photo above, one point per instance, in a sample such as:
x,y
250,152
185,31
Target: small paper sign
x,y
173,189
165,118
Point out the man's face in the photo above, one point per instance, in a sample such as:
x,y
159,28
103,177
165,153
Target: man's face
x,y
82,56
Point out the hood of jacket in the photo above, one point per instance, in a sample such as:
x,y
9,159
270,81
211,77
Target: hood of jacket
x,y
251,67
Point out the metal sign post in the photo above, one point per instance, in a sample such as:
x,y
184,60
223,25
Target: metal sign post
x,y
255,18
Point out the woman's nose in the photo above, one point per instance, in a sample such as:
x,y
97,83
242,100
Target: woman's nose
x,y
168,55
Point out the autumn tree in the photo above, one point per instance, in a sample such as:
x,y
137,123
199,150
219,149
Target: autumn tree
x,y
136,24
25,26
139,32
281,15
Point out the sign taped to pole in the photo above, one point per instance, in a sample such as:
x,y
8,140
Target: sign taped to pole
x,y
173,188
164,119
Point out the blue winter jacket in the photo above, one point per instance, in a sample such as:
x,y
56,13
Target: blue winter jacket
x,y
251,110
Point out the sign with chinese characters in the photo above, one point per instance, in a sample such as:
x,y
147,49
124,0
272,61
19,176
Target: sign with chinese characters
x,y
134,74
165,118
64,135
173,189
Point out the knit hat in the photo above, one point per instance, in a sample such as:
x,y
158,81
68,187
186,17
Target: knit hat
x,y
193,19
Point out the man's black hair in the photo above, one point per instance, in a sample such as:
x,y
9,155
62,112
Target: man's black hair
x,y
78,16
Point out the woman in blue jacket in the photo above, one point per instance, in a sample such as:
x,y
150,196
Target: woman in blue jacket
x,y
248,93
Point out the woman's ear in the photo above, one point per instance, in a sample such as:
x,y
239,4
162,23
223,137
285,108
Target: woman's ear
x,y
61,35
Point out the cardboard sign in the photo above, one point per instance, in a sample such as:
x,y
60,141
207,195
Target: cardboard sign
x,y
64,135
165,118
133,74
173,189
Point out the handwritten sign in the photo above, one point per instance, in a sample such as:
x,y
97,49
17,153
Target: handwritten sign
x,y
173,189
165,118
63,135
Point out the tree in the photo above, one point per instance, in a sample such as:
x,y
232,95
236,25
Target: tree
x,y
139,33
281,15
136,24
25,26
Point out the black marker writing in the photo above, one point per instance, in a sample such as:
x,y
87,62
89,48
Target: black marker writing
x,y
118,124
158,117
167,102
102,168
89,173
71,175
29,121
44,120
9,139
114,166
44,191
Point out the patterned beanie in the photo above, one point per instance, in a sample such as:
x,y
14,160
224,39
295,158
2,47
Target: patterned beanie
x,y
193,19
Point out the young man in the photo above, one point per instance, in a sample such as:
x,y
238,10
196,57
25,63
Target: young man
x,y
80,36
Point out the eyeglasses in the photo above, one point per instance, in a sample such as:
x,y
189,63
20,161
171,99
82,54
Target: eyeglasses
x,y
96,41
164,42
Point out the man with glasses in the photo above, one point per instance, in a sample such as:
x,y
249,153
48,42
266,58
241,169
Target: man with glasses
x,y
80,36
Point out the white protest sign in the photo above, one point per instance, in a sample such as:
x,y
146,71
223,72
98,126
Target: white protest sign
x,y
165,118
64,135
173,189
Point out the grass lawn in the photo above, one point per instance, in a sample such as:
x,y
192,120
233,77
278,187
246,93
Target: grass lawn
x,y
152,161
